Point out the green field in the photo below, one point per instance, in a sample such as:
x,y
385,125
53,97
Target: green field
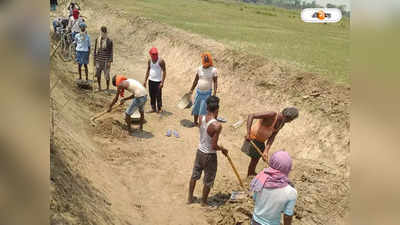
x,y
275,33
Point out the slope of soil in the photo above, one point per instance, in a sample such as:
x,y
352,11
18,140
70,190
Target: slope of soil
x,y
102,175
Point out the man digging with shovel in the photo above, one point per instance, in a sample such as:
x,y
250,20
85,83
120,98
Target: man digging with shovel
x,y
206,155
266,128
139,97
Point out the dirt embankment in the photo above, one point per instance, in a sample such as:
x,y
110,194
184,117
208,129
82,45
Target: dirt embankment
x,y
100,175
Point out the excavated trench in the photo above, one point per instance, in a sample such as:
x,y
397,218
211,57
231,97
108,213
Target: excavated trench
x,y
102,175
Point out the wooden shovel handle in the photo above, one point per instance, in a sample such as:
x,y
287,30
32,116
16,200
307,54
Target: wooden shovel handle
x,y
258,150
101,114
234,170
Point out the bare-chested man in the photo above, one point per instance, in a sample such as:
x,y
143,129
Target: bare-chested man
x,y
266,128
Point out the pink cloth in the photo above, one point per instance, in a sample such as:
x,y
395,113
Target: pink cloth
x,y
275,176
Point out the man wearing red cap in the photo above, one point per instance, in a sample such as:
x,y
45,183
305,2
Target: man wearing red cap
x,y
156,73
74,22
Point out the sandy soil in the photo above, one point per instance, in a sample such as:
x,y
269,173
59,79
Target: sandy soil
x,y
102,175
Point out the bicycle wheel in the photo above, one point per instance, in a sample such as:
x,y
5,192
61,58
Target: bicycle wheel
x,y
63,46
72,52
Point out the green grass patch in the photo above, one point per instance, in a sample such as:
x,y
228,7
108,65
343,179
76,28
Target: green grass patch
x,y
268,31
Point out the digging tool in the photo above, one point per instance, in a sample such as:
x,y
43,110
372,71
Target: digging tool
x,y
258,150
185,101
234,170
101,114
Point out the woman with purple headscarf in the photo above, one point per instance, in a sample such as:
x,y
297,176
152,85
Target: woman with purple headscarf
x,y
273,192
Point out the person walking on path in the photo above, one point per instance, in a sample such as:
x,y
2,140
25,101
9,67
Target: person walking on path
x,y
206,155
82,41
156,74
71,8
273,193
266,128
206,76
103,56
53,5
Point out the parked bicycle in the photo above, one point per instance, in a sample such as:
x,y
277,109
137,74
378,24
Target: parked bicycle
x,y
67,45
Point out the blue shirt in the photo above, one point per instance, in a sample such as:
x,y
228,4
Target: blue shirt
x,y
82,44
270,203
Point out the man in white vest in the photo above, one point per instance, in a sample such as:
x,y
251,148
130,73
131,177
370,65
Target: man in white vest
x,y
156,73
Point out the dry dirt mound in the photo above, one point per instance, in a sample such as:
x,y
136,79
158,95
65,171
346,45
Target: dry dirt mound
x,y
134,179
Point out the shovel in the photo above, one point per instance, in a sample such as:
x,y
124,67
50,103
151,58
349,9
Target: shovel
x,y
258,150
185,101
93,118
234,170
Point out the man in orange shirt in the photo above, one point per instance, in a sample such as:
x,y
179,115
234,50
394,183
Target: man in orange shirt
x,y
266,128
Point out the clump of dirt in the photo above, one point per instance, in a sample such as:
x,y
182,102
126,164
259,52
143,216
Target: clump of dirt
x,y
110,128
231,212
321,190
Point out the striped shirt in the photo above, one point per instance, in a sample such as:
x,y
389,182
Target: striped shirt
x,y
104,54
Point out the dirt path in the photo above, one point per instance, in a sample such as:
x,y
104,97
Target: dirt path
x,y
144,178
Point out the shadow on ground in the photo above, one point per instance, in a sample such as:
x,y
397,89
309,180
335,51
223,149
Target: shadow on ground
x,y
187,123
142,134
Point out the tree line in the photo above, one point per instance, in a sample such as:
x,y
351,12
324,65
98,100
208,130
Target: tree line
x,y
298,4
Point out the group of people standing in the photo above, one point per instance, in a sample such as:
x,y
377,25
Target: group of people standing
x,y
274,194
103,47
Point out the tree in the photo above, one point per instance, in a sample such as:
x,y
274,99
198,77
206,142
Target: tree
x,y
329,5
342,8
297,4
313,4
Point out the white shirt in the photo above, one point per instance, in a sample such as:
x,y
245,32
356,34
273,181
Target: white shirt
x,y
205,139
74,24
155,71
270,203
136,88
206,76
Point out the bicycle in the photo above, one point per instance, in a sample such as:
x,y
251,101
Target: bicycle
x,y
67,45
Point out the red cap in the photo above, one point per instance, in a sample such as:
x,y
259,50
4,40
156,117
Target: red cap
x,y
153,51
154,54
75,13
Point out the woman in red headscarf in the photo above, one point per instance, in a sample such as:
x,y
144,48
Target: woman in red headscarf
x,y
205,80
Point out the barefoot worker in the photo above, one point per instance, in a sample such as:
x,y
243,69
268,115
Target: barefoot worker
x,y
82,41
205,77
139,97
156,73
206,155
266,128
273,192
103,56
